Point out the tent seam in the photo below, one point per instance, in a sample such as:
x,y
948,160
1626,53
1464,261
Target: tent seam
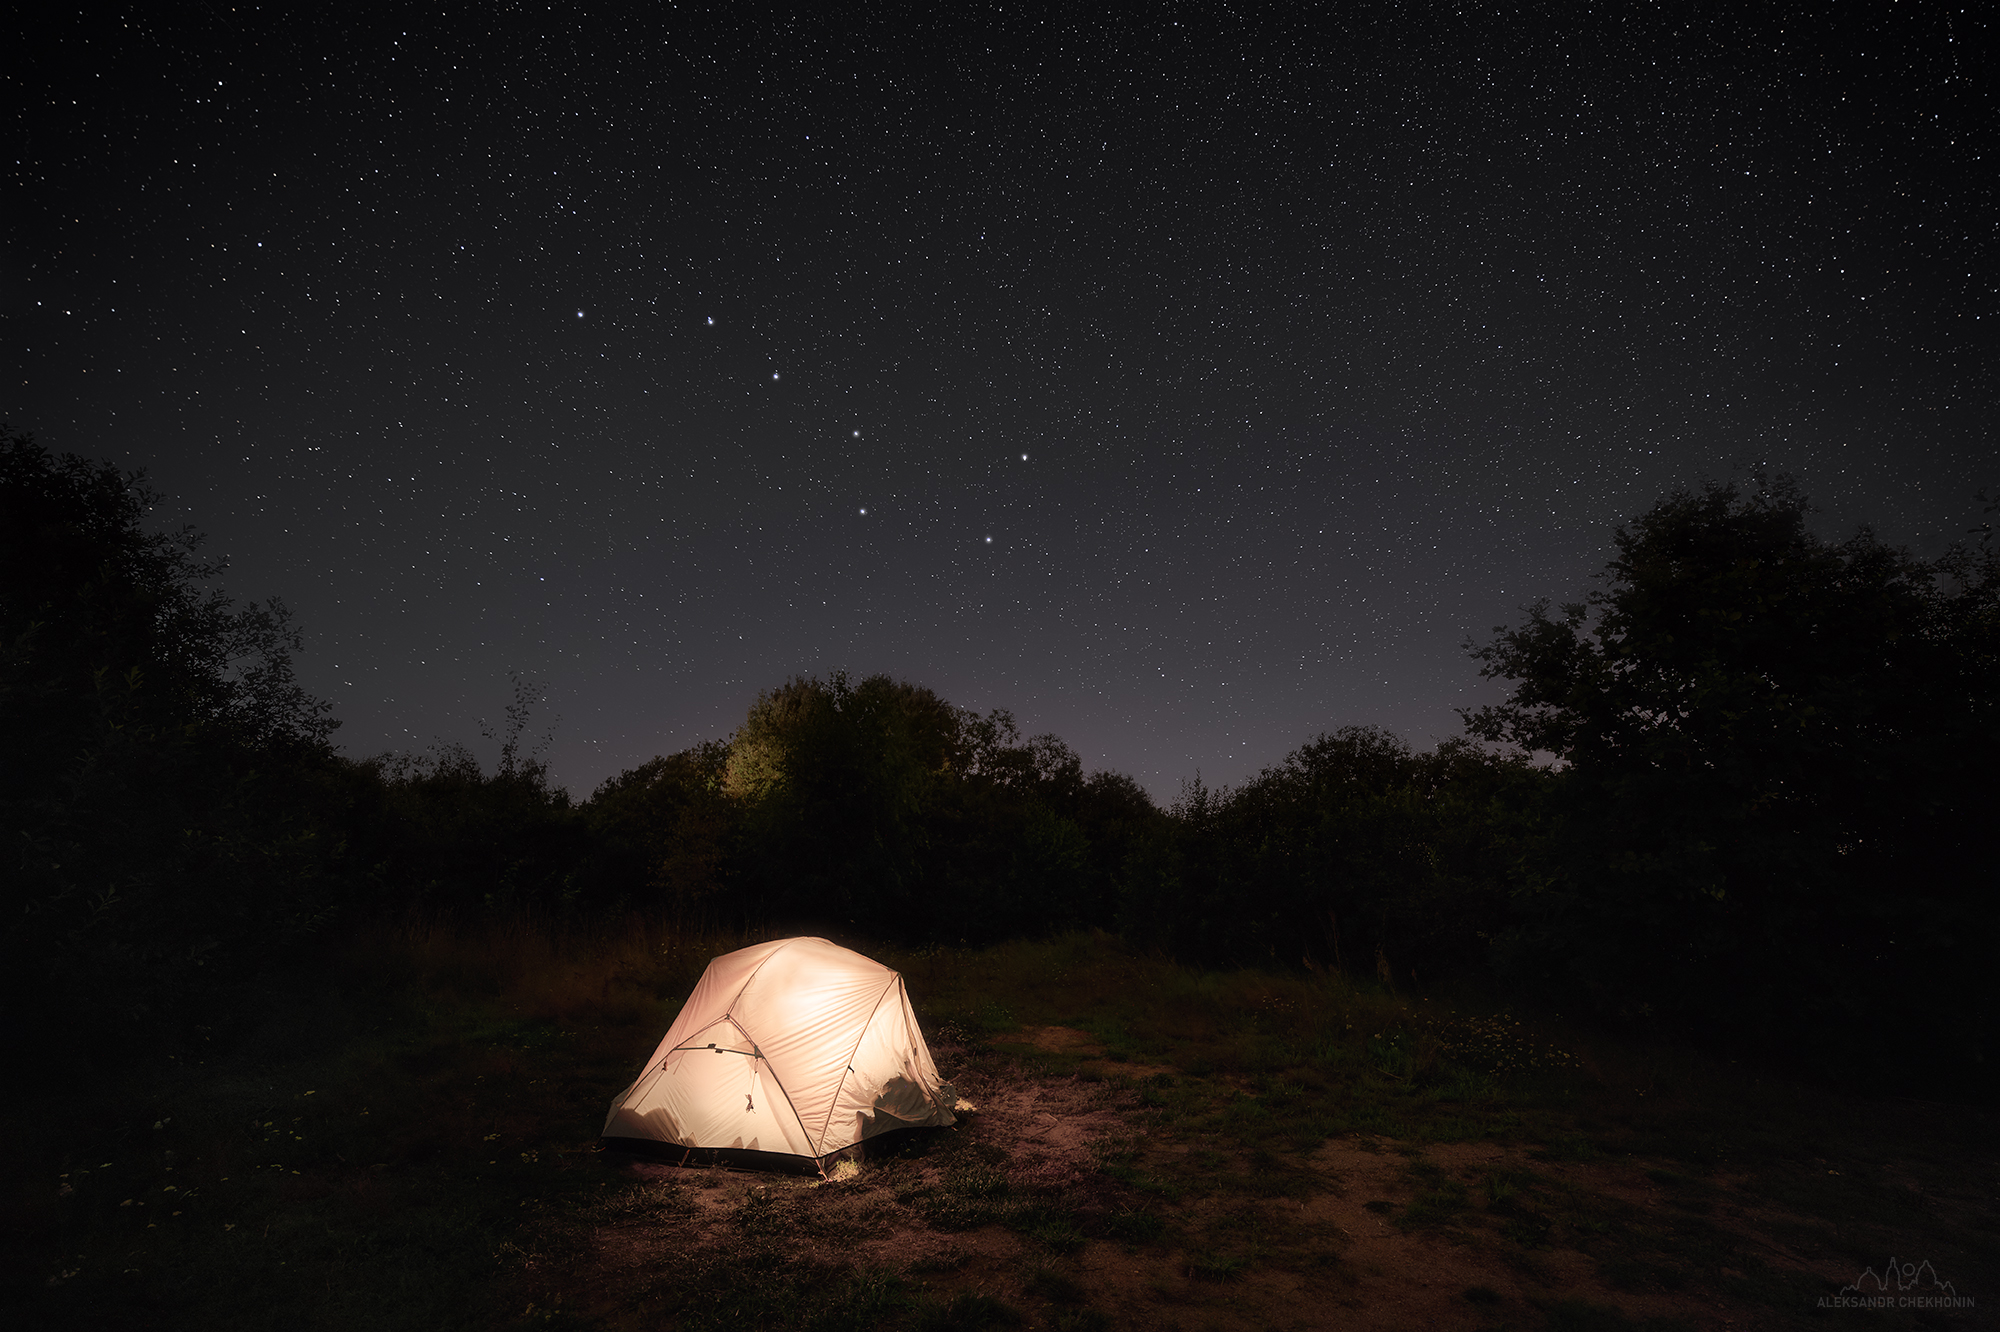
x,y
895,979
730,1008
797,1118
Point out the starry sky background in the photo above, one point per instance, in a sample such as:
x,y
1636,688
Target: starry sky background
x,y
1188,384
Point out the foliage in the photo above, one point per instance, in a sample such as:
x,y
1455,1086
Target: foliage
x,y
886,808
669,830
438,833
1771,773
1353,851
1776,778
157,757
835,778
105,624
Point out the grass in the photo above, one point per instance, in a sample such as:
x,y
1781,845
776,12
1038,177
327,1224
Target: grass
x,y
404,1135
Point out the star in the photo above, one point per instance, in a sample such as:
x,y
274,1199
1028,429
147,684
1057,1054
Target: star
x,y
1313,517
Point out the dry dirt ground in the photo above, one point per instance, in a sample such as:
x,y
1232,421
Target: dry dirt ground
x,y
1014,1216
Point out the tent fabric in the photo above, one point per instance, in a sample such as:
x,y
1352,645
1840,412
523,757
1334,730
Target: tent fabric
x,y
797,1047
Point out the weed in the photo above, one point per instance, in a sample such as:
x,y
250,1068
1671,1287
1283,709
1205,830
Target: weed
x,y
993,1019
948,1261
1135,1225
1434,1206
967,1312
1216,1267
966,1199
1529,1229
1054,1228
1501,1047
1165,1189
1080,1320
1055,1287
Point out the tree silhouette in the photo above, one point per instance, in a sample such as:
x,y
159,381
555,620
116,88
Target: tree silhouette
x,y
1775,773
154,747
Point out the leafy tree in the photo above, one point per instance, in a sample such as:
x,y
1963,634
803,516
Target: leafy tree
x,y
1006,855
836,776
1118,821
156,753
873,805
441,834
1776,775
1354,847
102,621
669,829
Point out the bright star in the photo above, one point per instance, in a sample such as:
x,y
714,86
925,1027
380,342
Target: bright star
x,y
864,511
774,374
989,541
579,314
711,319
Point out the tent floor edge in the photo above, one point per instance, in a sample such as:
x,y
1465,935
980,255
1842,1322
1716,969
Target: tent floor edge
x,y
655,1152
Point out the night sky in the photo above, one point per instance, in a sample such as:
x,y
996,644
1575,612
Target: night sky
x,y
1188,385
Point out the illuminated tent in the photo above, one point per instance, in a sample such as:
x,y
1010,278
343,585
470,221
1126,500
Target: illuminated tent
x,y
785,1054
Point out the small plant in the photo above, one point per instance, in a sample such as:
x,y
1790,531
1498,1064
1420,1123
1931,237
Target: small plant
x,y
948,1261
950,1033
1505,1189
1053,1228
1055,1287
1528,1229
761,1214
993,1018
1499,1047
1135,1225
1080,1320
1433,1206
966,1199
968,1312
1216,1267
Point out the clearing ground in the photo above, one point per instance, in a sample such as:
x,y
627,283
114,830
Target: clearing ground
x,y
1153,1147
1069,1199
